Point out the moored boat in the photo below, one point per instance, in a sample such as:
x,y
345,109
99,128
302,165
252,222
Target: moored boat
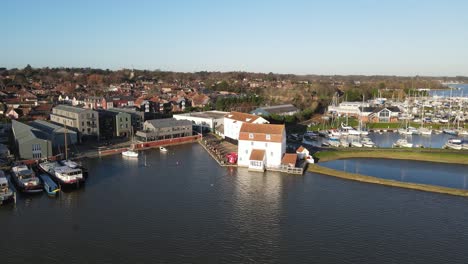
x,y
356,144
162,149
309,159
49,185
450,132
25,179
402,143
6,194
130,154
63,175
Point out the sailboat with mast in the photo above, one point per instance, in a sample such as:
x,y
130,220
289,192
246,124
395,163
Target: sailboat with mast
x,y
423,130
64,172
448,130
130,152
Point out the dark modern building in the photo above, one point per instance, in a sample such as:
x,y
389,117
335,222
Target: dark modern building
x,y
167,128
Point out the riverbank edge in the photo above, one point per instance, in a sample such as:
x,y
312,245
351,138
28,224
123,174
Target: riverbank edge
x,y
427,155
391,183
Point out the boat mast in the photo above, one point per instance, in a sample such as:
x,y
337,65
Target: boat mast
x,y
65,138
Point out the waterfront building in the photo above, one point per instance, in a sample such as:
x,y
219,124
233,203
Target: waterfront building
x,y
84,121
374,114
136,117
347,108
55,133
264,138
233,122
282,110
302,152
30,143
207,120
114,124
167,128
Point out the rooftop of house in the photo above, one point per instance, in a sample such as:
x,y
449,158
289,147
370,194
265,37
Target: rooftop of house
x,y
289,159
243,117
257,154
168,122
24,132
262,129
300,149
206,114
72,109
261,132
49,127
279,108
376,109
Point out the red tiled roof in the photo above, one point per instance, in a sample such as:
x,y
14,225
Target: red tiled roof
x,y
244,117
260,132
257,154
289,159
300,149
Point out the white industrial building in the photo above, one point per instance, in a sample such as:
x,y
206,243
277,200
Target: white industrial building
x,y
233,122
207,120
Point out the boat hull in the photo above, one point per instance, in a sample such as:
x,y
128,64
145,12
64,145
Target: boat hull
x,y
62,183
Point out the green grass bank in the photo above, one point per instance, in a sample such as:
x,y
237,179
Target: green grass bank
x,y
374,180
429,155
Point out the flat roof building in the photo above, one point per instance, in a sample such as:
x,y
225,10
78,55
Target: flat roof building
x,y
207,120
167,128
283,110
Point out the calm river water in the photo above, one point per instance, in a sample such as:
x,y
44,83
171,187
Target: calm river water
x,y
183,208
440,174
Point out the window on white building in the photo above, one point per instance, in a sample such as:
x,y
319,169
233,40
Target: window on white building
x,y
271,153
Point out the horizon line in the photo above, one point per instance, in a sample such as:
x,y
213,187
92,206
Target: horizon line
x,y
236,71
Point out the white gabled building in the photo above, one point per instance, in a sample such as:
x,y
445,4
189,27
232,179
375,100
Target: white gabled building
x,y
234,120
266,140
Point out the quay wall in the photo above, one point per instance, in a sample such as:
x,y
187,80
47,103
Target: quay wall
x,y
152,144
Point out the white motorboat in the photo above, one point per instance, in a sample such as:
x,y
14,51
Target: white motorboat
x,y
163,149
6,194
356,144
367,143
130,154
450,131
64,175
344,143
334,133
309,159
402,143
449,145
425,131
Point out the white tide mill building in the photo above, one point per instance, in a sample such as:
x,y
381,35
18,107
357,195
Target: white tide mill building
x,y
261,146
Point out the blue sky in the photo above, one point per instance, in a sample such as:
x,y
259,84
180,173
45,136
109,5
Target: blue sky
x,y
399,37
